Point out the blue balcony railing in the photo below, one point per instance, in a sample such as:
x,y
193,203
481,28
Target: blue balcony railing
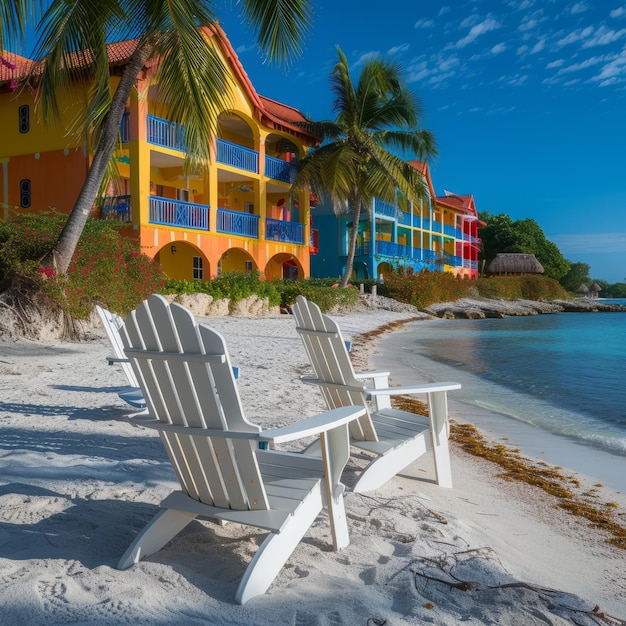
x,y
175,213
278,169
388,248
116,208
165,134
437,227
237,156
278,230
404,218
385,208
425,225
363,249
451,231
237,223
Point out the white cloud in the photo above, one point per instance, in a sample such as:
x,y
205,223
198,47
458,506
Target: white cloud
x,y
365,57
477,30
577,35
424,23
579,7
612,72
590,243
538,47
498,48
621,12
604,36
553,64
398,49
435,69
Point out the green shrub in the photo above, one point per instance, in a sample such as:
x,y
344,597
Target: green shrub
x,y
234,285
424,288
316,290
106,268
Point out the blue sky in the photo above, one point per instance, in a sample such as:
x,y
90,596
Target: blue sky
x,y
527,100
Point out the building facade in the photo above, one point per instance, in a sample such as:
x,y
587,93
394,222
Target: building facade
x,y
235,215
437,234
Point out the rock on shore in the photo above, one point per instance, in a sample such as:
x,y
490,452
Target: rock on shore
x,y
478,308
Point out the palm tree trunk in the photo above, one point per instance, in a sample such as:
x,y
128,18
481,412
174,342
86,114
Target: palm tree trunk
x,y
356,216
60,256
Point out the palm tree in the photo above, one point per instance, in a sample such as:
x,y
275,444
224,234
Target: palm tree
x,y
354,164
191,77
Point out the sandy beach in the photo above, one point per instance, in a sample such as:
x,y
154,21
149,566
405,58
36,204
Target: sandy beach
x,y
77,482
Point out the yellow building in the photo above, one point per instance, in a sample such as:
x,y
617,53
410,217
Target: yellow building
x,y
235,216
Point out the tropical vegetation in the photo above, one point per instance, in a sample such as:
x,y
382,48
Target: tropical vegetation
x,y
502,234
355,163
106,269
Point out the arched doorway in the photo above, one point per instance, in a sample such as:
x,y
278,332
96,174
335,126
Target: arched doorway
x,y
183,261
284,266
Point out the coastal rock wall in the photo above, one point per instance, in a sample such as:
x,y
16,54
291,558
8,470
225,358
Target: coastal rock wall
x,y
479,308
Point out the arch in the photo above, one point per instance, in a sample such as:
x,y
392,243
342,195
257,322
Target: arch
x,y
285,266
359,271
182,260
385,269
237,127
236,260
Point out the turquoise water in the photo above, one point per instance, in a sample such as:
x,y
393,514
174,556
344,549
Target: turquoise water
x,y
564,373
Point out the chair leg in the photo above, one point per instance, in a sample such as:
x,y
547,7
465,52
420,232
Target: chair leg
x,y
438,403
276,549
163,527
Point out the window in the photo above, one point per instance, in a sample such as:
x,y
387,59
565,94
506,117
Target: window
x,y
248,267
182,195
198,269
25,193
249,207
24,118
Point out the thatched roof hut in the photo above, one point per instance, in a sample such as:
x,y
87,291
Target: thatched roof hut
x,y
582,289
515,263
595,287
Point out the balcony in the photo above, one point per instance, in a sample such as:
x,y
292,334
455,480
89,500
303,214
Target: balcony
x,y
176,213
387,248
237,156
237,223
165,134
385,208
116,208
451,231
404,218
289,232
278,169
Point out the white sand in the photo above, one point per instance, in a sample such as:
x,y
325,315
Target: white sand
x,y
77,482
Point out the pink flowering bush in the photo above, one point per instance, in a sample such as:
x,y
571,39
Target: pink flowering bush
x,y
106,268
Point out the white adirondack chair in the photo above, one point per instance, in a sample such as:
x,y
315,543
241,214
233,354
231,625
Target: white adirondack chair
x,y
112,323
397,438
185,374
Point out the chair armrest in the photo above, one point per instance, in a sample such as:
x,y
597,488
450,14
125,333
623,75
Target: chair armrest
x,y
312,380
426,388
313,425
145,419
114,359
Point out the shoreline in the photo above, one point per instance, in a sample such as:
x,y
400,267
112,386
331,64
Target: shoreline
x,y
77,481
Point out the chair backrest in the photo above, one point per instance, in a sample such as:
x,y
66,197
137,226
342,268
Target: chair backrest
x,y
112,323
331,363
187,380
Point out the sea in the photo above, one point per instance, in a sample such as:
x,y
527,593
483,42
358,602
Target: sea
x,y
553,385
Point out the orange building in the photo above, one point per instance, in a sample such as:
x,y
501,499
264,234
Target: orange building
x,y
236,215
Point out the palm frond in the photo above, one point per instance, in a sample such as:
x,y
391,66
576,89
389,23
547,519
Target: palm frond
x,y
280,26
